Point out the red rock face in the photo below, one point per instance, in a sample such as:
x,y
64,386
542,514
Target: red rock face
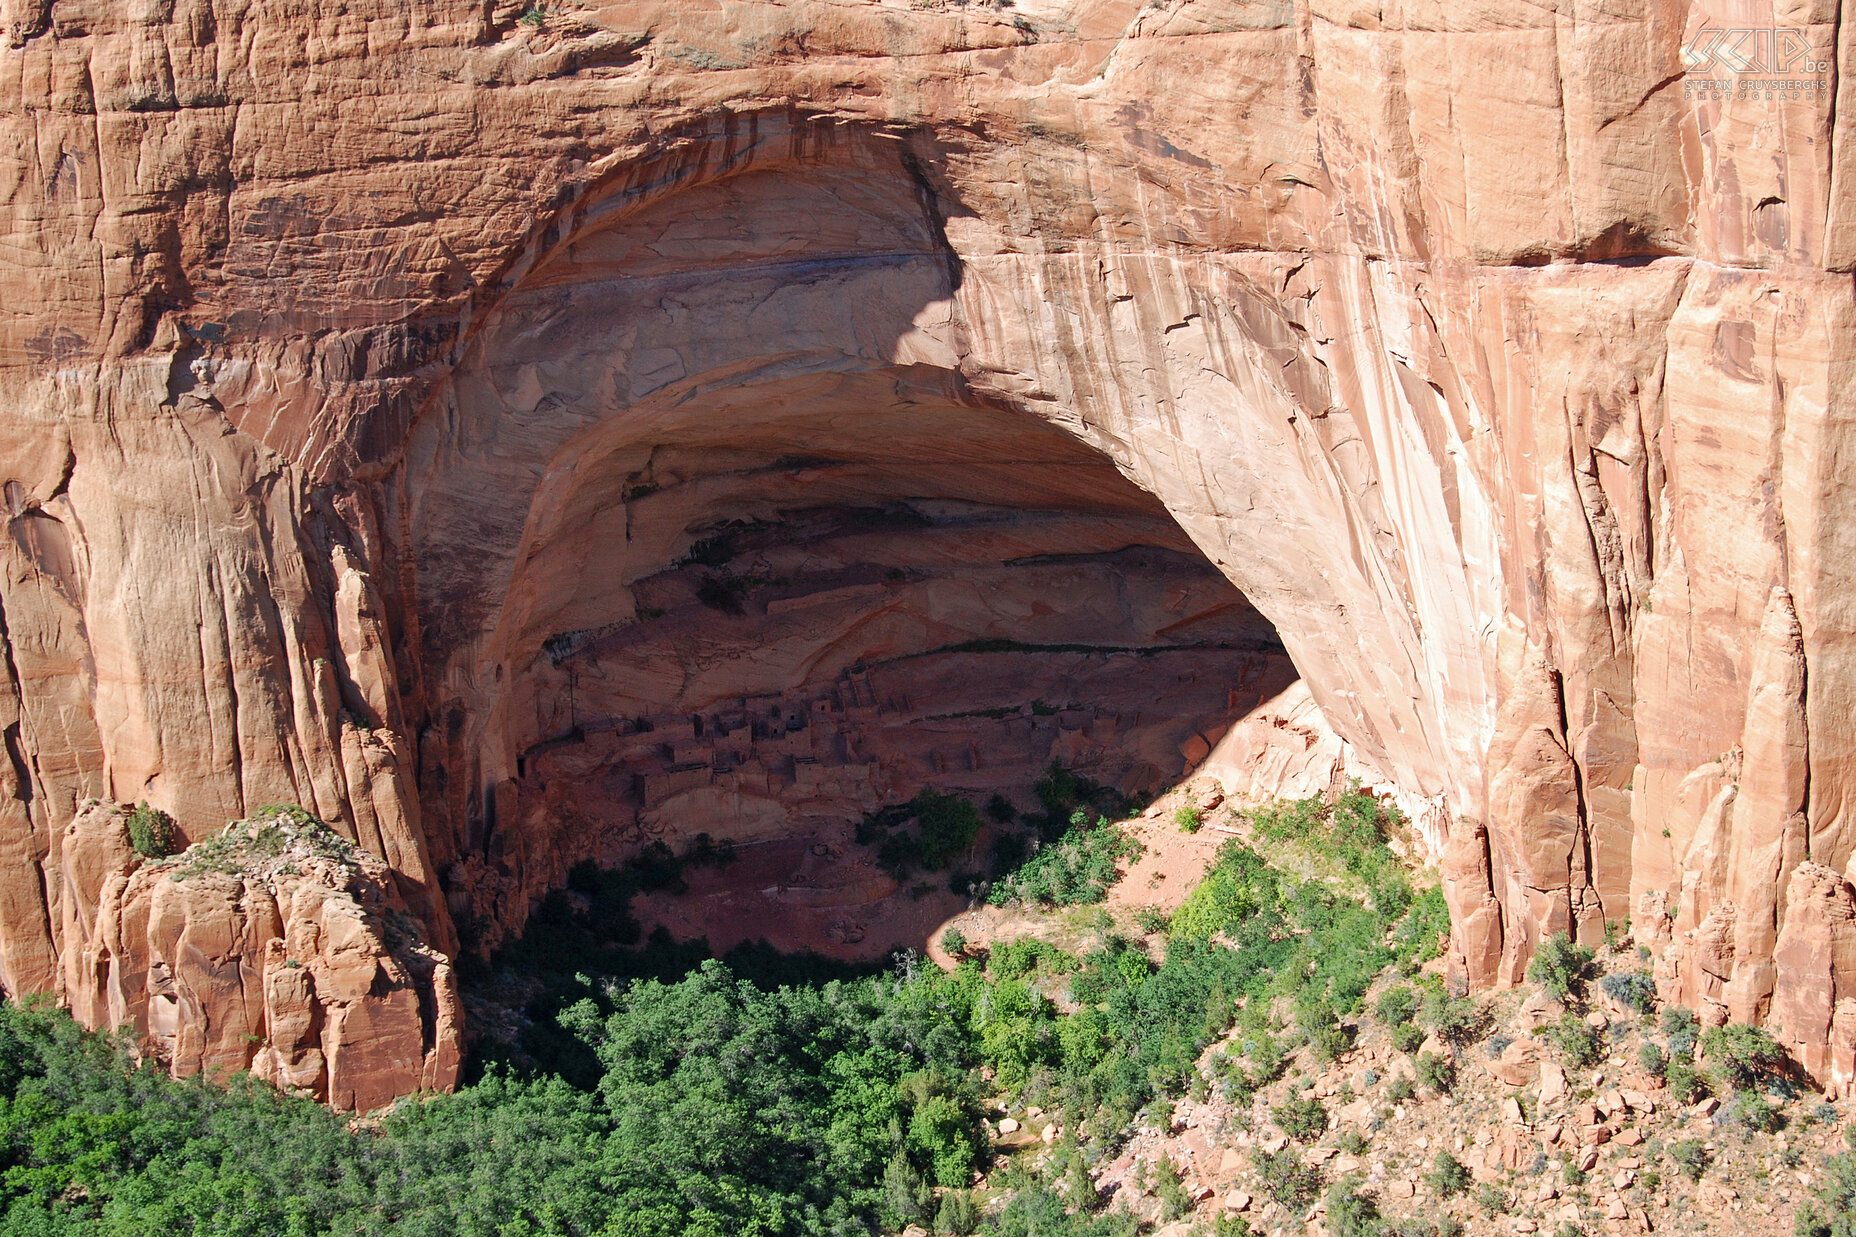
x,y
370,372
290,956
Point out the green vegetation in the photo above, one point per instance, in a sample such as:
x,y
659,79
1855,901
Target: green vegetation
x,y
1691,1157
1687,1085
1652,1060
1170,1188
944,826
275,837
1745,1053
1152,920
1396,1006
1301,1119
1074,870
1682,1029
1437,1073
1578,1043
1189,819
1421,935
1453,1019
1285,1178
151,832
1831,1211
1448,1176
1331,927
760,1095
1753,1111
1561,967
1351,1211
1635,989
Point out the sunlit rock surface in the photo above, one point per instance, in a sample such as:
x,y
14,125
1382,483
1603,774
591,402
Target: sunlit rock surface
x,y
376,376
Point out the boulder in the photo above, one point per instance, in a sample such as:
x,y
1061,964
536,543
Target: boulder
x,y
1518,1065
1552,1083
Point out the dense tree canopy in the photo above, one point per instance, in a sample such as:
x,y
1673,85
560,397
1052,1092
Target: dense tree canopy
x,y
689,1099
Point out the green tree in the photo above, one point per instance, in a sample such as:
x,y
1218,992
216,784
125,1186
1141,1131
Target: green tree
x,y
1744,1053
1561,966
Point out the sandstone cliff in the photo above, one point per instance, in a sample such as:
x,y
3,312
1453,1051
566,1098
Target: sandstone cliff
x,y
370,364
274,947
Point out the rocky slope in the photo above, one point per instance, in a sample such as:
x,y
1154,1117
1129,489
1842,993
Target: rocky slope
x,y
362,352
1606,1108
1541,1144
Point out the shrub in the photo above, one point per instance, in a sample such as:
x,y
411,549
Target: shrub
x,y
954,942
1745,1053
1691,1157
1152,919
1000,811
1267,1055
1303,1120
1686,1084
1561,966
946,825
1423,933
1497,1043
1577,1043
1189,819
1752,1111
1570,1172
1074,870
1170,1189
1028,955
1400,1089
957,1216
1284,1178
1396,1006
1437,1073
1352,1142
1352,1213
1492,1199
1681,1028
1406,1038
906,1197
1831,1211
1454,1020
1448,1177
151,832
1633,989
1652,1060
1329,1042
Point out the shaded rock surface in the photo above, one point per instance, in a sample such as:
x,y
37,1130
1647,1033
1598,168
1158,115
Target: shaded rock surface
x,y
372,368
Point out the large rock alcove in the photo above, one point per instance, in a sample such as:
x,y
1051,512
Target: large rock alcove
x,y
712,536
370,369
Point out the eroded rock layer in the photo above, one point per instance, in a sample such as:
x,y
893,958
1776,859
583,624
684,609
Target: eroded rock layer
x,y
275,947
371,368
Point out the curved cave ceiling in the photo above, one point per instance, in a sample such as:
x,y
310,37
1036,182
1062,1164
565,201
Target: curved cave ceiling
x,y
711,536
